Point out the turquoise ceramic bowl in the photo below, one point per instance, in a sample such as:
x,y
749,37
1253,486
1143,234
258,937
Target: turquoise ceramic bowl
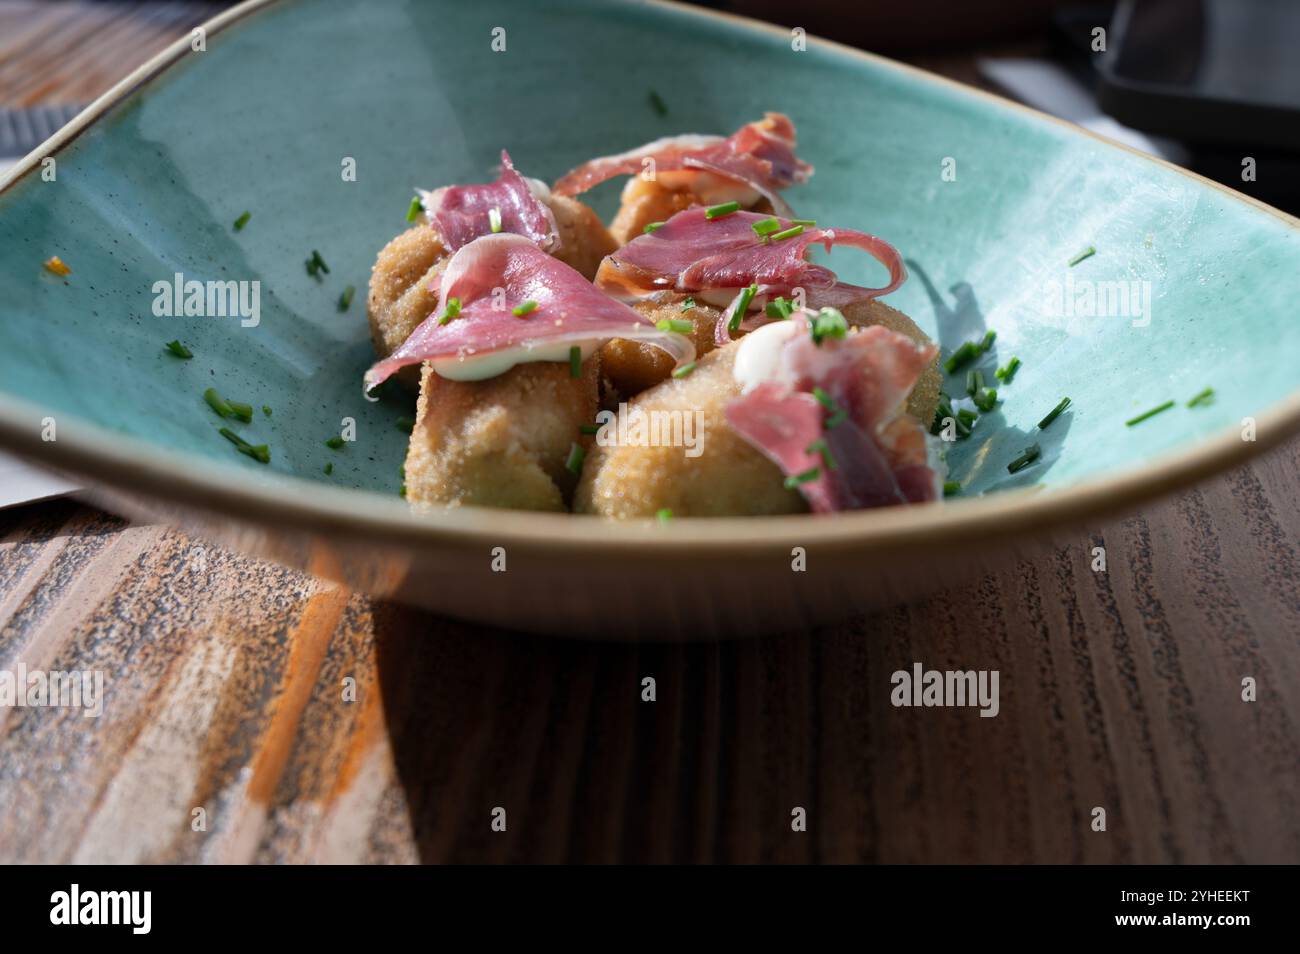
x,y
1191,287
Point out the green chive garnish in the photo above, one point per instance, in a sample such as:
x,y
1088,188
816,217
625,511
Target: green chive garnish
x,y
791,232
828,323
779,308
663,515
217,404
657,103
718,211
1031,454
951,487
260,452
494,219
1054,413
967,417
819,446
266,409
345,300
679,325
688,304
837,413
740,306
414,209
590,429
242,412
405,424
793,481
329,468
986,399
1205,397
968,352
242,220
576,455
1151,413
1088,252
524,308
974,381
652,227
1005,374
941,413
765,227
810,223
178,349
334,443
575,362
401,491
684,370
453,311
320,262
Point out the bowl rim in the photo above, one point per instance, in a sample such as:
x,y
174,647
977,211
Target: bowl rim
x,y
141,468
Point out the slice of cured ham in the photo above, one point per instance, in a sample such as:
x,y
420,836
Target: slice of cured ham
x,y
462,213
759,155
513,304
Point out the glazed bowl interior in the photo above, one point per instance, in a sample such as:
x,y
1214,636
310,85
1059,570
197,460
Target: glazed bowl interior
x,y
1192,287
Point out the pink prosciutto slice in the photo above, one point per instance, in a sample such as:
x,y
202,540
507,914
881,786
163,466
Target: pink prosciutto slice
x,y
691,253
462,213
870,455
759,155
497,275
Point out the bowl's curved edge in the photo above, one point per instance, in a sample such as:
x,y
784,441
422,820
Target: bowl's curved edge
x,y
116,460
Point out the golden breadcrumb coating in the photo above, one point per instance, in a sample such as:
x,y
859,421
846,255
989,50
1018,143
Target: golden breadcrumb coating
x,y
924,399
502,442
729,477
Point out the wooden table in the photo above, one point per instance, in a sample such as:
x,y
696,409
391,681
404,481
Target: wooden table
x,y
308,723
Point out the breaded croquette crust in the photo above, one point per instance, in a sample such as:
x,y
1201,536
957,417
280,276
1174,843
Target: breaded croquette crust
x,y
729,477
632,366
644,202
924,399
502,442
405,278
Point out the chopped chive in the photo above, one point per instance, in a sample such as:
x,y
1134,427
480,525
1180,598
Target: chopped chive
x,y
951,488
242,221
828,323
684,370
405,424
1031,454
688,304
791,232
779,308
740,306
974,381
1151,413
987,341
836,419
217,404
589,429
401,491
494,219
657,104
524,308
967,417
178,349
824,399
575,362
1005,374
664,514
809,223
1205,397
679,325
320,262
345,300
266,409
329,467
724,209
1088,252
986,399
963,356
576,455
452,311
820,446
334,443
941,412
794,480
765,227
260,452
401,470
242,412
414,209
837,413
1054,413
652,227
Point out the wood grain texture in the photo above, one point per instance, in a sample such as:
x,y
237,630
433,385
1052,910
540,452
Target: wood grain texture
x,y
226,680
